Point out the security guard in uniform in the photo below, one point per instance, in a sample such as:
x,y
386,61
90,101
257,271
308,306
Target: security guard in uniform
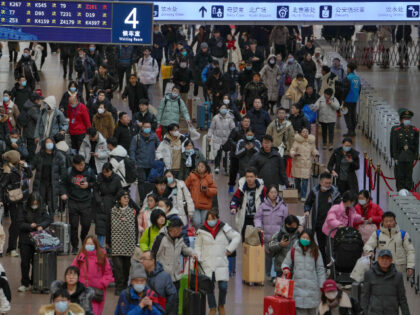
x,y
404,149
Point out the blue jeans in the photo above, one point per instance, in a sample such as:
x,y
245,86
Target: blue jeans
x,y
301,186
101,240
211,298
199,217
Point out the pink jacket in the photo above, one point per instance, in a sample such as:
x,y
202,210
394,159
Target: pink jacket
x,y
143,220
97,276
337,216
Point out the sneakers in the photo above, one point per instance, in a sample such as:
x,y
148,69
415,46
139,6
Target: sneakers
x,y
230,189
23,288
14,253
217,170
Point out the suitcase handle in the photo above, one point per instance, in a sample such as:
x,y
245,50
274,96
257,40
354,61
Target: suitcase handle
x,y
196,273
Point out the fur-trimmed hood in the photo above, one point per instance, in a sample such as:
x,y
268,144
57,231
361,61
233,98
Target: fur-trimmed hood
x,y
74,309
300,139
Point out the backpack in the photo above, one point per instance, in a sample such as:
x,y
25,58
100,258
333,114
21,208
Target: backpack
x,y
130,170
378,232
23,118
310,115
158,168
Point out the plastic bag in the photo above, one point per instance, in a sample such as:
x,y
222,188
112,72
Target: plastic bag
x,y
194,134
284,287
362,265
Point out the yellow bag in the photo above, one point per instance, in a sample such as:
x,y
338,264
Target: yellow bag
x,y
166,72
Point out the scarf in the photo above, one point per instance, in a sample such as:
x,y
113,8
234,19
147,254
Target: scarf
x,y
188,163
333,305
281,126
231,44
213,230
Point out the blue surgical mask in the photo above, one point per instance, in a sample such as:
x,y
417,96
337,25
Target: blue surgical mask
x,y
248,67
223,111
61,306
249,138
92,48
190,151
49,146
147,130
72,89
13,140
212,223
170,180
90,248
5,98
174,95
24,83
346,149
139,287
25,55
362,202
406,122
184,53
232,69
291,60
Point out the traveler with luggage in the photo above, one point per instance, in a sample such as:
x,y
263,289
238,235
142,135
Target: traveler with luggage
x,y
304,263
351,92
121,238
105,192
397,241
269,218
61,305
342,215
218,134
76,290
343,164
303,153
215,241
336,301
247,199
383,289
138,298
14,191
95,271
77,189
181,197
317,204
203,189
33,218
148,71
30,111
282,132
157,221
51,168
190,158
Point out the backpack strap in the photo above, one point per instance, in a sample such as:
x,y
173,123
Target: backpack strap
x,y
402,234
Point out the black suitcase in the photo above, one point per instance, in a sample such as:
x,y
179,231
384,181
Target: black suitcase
x,y
44,271
194,301
62,231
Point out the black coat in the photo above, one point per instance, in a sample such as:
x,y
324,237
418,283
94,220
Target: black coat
x,y
259,53
335,164
26,217
146,117
135,94
201,60
244,78
299,122
71,184
33,112
27,68
307,99
260,120
309,71
184,76
160,41
20,96
123,135
218,47
106,82
270,167
13,178
105,192
235,135
233,79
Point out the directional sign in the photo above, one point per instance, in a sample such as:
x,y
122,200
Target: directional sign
x,y
76,21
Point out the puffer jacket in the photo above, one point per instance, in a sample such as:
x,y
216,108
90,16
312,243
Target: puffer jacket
x,y
299,121
270,167
384,292
219,131
282,133
168,250
202,199
303,151
201,60
270,75
309,70
13,178
104,123
116,158
337,216
147,70
142,149
309,276
59,123
402,250
170,110
252,90
347,305
129,300
83,295
101,149
243,155
181,199
260,119
28,216
74,309
134,93
270,218
184,170
327,112
211,251
292,69
20,95
296,90
279,252
12,111
372,211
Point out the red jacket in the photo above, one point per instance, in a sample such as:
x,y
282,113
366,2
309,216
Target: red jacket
x,y
79,120
373,211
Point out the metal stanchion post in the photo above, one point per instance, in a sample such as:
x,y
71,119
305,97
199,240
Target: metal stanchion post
x,y
370,177
364,170
378,177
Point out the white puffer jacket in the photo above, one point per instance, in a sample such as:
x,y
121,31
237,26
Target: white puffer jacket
x,y
101,149
211,251
327,112
182,197
147,70
117,156
220,129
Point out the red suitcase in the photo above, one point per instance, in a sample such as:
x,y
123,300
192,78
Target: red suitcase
x,y
277,305
38,91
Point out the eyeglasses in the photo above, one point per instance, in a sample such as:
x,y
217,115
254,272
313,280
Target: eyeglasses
x,y
143,258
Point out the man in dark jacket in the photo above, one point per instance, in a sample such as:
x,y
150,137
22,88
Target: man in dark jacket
x,y
67,54
383,291
26,67
259,117
15,142
32,108
343,164
126,57
142,116
201,60
103,81
217,86
122,132
236,134
182,77
245,76
159,42
256,55
134,91
101,98
269,164
77,189
21,92
255,89
308,98
160,281
218,49
85,68
95,55
297,118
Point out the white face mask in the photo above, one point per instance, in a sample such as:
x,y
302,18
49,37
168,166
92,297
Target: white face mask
x,y
362,202
175,133
226,101
331,295
101,110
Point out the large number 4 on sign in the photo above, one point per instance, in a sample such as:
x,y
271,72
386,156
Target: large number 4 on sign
x,y
132,18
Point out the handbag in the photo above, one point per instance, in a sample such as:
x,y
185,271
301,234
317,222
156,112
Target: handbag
x,y
284,287
205,284
252,236
15,195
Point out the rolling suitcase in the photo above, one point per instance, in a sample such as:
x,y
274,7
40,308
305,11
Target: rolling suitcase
x,y
274,304
253,264
44,271
62,231
203,116
206,148
194,301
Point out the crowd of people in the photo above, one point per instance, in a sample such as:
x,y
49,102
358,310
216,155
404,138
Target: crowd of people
x,y
149,188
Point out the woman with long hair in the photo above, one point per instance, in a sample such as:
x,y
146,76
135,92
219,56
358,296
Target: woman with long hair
x,y
95,271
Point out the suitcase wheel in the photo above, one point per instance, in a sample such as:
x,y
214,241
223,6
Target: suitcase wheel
x,y
254,284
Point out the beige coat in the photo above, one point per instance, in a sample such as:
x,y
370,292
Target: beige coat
x,y
302,163
282,134
296,90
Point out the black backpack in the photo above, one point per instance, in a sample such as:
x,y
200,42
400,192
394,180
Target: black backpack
x,y
130,170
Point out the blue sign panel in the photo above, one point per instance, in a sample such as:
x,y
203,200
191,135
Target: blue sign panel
x,y
76,21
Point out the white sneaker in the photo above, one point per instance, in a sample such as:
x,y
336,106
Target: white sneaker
x,y
22,288
14,253
217,170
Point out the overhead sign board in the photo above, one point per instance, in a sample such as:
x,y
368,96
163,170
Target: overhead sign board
x,y
77,21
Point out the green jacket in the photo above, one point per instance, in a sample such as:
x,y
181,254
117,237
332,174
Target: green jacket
x,y
170,111
148,237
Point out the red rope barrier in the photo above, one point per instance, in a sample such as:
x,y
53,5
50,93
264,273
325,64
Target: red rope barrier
x,y
386,183
373,183
415,187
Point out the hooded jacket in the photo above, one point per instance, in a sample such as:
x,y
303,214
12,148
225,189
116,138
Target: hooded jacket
x,y
282,133
128,303
143,149
147,70
170,110
299,122
337,216
83,295
59,122
303,152
116,158
252,90
101,149
335,164
202,198
220,128
270,167
327,112
270,76
28,216
279,252
104,123
74,309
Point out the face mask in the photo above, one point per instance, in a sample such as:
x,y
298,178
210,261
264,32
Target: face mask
x,y
272,61
49,146
304,242
291,60
232,69
72,89
212,223
362,202
90,248
13,140
170,180
34,207
406,122
101,110
183,65
191,151
248,67
184,53
61,306
5,98
139,287
223,111
290,230
325,188
346,149
24,83
331,295
92,48
175,133
174,95
147,130
226,102
25,55
249,138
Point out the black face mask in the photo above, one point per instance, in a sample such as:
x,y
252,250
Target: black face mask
x,y
291,230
